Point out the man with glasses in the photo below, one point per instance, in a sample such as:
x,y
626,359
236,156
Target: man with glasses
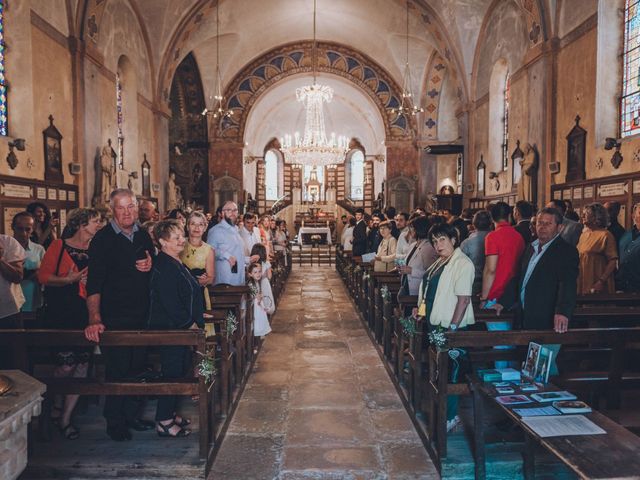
x,y
229,248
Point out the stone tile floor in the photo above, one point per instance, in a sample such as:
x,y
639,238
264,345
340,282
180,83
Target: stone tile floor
x,y
319,404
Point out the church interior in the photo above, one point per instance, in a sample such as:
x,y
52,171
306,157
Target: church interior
x,y
313,114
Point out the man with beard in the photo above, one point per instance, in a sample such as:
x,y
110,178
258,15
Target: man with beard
x,y
229,248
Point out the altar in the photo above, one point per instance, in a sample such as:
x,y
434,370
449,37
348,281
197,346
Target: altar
x,y
305,234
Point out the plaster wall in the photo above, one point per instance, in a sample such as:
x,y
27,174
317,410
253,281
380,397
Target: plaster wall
x,y
574,12
54,12
447,121
504,38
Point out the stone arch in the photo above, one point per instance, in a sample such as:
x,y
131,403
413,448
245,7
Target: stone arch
x,y
89,17
191,21
295,58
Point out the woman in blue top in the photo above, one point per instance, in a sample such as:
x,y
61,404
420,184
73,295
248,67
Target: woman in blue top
x,y
176,303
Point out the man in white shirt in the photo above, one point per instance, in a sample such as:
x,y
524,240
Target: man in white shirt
x,y
22,226
249,232
405,243
12,257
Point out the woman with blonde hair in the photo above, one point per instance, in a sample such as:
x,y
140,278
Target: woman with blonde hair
x,y
598,252
198,256
265,234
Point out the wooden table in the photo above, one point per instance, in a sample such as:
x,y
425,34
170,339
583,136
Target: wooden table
x,y
615,454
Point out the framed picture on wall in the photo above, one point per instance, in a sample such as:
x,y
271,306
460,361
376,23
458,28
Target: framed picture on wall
x,y
480,176
52,139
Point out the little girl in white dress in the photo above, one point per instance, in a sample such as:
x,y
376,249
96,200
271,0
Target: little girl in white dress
x,y
262,303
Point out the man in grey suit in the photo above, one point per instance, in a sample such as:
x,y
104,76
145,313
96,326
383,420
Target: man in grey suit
x,y
571,230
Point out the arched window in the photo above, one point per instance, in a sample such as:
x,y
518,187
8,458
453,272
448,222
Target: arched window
x,y
356,175
505,126
120,119
271,175
630,101
3,85
498,124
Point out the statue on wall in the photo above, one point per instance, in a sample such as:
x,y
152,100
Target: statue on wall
x,y
172,191
108,173
528,184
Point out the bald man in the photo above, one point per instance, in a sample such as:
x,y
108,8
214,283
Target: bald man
x,y
147,211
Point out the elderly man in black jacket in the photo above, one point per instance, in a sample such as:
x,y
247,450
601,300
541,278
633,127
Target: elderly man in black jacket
x,y
548,277
118,299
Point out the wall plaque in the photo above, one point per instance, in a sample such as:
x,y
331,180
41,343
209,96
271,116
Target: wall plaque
x,y
588,192
577,193
63,218
62,195
613,189
52,193
15,191
9,213
72,196
557,195
41,193
636,186
566,194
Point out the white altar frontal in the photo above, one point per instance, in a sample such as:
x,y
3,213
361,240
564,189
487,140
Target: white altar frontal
x,y
305,233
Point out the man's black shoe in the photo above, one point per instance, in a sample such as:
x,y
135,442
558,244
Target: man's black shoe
x,y
140,425
118,434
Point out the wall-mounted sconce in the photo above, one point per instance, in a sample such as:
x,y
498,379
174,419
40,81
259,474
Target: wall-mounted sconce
x,y
610,144
12,159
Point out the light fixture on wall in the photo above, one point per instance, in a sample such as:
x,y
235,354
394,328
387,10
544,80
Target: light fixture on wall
x,y
407,106
314,148
217,110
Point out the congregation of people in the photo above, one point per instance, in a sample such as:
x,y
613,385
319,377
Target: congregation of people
x,y
531,263
131,270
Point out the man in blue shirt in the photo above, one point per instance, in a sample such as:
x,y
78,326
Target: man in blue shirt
x,y
229,248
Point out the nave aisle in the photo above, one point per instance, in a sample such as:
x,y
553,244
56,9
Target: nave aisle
x,y
319,403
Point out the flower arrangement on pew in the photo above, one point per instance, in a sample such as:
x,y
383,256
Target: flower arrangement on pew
x,y
409,327
232,323
384,291
358,269
438,339
207,367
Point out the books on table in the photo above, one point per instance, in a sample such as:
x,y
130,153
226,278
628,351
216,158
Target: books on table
x,y
513,399
553,396
499,375
571,406
537,412
537,364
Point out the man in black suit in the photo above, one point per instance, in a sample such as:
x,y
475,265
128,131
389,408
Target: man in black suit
x,y
522,214
359,234
548,277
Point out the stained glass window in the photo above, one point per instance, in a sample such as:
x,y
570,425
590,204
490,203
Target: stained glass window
x,y
3,84
271,175
505,125
120,121
630,101
356,165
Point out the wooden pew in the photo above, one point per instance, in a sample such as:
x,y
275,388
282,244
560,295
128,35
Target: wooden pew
x,y
618,342
376,308
20,341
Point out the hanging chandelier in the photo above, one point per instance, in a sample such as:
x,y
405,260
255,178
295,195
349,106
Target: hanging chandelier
x,y
217,110
314,148
406,107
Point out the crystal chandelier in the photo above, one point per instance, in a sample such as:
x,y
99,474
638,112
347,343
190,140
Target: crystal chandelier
x,y
217,110
314,148
406,106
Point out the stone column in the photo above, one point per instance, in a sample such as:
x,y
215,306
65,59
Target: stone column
x,y
16,410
